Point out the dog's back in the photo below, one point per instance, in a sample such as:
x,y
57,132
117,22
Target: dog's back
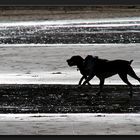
x,y
96,64
91,62
114,66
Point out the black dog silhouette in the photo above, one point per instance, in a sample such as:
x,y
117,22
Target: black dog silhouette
x,y
79,62
102,68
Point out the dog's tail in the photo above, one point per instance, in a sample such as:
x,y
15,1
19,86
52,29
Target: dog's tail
x,y
130,62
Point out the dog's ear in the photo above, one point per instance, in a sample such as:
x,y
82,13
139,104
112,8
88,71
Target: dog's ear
x,y
88,57
96,57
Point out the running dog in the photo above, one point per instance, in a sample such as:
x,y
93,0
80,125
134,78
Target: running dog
x,y
103,68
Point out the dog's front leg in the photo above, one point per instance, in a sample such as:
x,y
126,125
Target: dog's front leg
x,y
88,79
81,80
87,82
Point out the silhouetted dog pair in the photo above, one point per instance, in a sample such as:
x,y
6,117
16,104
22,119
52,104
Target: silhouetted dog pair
x,y
102,68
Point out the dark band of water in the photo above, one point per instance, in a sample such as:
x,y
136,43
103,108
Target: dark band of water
x,y
71,32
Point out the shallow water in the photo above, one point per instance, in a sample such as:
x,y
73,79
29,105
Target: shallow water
x,y
107,30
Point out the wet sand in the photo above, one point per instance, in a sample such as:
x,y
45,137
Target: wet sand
x,y
68,110
68,99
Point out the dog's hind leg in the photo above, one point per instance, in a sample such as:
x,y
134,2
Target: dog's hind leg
x,y
133,74
101,86
124,78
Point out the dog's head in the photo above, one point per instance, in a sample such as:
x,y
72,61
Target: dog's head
x,y
75,60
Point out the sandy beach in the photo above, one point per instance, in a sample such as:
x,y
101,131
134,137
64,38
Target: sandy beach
x,y
39,94
70,124
47,64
